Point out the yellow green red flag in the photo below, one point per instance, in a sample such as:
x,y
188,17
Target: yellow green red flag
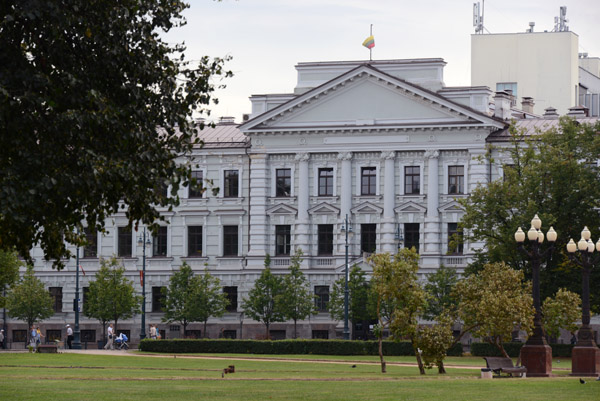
x,y
369,42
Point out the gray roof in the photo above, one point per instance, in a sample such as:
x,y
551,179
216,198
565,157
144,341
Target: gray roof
x,y
223,136
533,126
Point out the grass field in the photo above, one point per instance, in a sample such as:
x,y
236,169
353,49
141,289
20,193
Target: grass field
x,y
70,376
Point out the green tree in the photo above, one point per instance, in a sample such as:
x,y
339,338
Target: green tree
x,y
360,298
9,272
297,300
435,340
111,295
182,298
561,312
495,301
397,285
264,299
439,287
28,300
209,297
553,174
95,108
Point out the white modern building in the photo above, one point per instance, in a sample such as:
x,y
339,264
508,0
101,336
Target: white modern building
x,y
384,143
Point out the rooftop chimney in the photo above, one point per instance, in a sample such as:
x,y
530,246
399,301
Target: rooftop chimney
x,y
527,104
502,102
226,121
550,113
577,111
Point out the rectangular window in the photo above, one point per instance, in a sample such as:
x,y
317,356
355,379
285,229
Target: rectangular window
x,y
85,291
322,298
283,182
325,182
19,336
456,179
368,181
368,238
231,334
124,234
195,241
455,239
412,180
230,240
158,299
159,242
196,185
232,296
320,335
193,334
56,294
411,236
53,335
325,239
231,183
88,336
91,249
283,238
277,334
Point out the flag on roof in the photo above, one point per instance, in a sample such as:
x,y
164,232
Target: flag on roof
x,y
369,42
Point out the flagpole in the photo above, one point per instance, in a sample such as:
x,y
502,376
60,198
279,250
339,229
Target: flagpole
x,y
371,49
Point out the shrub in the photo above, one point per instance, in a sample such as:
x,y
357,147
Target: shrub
x,y
513,349
291,347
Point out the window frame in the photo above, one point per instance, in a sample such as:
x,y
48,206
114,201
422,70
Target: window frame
x,y
415,234
90,251
158,299
460,180
231,293
161,239
368,188
411,184
454,229
368,237
198,191
322,298
287,183
231,188
195,232
231,241
57,298
124,242
325,239
325,183
283,232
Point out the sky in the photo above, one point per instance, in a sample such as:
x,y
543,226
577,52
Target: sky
x,y
267,38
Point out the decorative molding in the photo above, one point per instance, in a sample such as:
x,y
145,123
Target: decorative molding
x,y
323,208
431,154
302,157
344,156
452,206
410,207
366,208
281,209
388,155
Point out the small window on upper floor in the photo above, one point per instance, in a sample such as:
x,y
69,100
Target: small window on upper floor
x,y
231,183
368,181
91,249
283,182
159,242
124,241
455,239
412,180
326,181
196,189
456,179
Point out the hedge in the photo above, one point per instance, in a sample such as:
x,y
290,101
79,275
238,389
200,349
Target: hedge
x,y
513,349
318,347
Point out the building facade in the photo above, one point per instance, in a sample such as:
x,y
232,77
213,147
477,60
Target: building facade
x,y
384,146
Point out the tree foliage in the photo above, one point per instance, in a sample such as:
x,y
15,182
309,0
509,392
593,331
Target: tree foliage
x,y
561,312
494,302
28,300
95,107
435,340
298,300
9,272
111,295
439,287
396,283
263,303
182,303
360,297
553,174
209,297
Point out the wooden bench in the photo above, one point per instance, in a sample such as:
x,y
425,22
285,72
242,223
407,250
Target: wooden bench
x,y
47,349
501,365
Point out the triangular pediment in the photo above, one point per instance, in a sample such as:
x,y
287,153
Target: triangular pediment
x,y
365,97
281,209
452,206
410,207
367,208
324,208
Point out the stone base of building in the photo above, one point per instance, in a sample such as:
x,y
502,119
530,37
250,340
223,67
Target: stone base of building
x,y
537,359
586,361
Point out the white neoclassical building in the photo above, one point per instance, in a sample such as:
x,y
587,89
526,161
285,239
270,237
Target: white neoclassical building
x,y
382,143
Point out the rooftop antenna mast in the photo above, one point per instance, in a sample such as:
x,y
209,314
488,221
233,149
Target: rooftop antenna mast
x,y
560,22
478,9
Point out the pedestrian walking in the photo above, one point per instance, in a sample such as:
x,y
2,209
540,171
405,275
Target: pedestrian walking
x,y
69,336
39,336
153,332
110,332
33,337
2,339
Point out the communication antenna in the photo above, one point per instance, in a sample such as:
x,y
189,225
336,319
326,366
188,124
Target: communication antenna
x,y
560,22
478,9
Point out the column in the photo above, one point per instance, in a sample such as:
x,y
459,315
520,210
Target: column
x,y
258,205
388,227
432,229
345,198
301,232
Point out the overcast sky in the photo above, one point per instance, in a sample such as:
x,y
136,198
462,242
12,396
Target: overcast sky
x,y
267,38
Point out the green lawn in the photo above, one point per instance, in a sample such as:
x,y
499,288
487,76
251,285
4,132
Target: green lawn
x,y
103,377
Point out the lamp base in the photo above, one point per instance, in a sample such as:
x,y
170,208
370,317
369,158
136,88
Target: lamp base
x,y
537,359
586,361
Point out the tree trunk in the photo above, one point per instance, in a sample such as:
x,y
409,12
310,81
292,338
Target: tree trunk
x,y
380,339
267,330
104,332
497,342
185,324
115,332
418,355
441,368
204,331
295,332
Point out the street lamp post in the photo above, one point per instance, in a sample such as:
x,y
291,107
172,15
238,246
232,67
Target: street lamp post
x,y
143,241
536,354
586,354
347,229
76,333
